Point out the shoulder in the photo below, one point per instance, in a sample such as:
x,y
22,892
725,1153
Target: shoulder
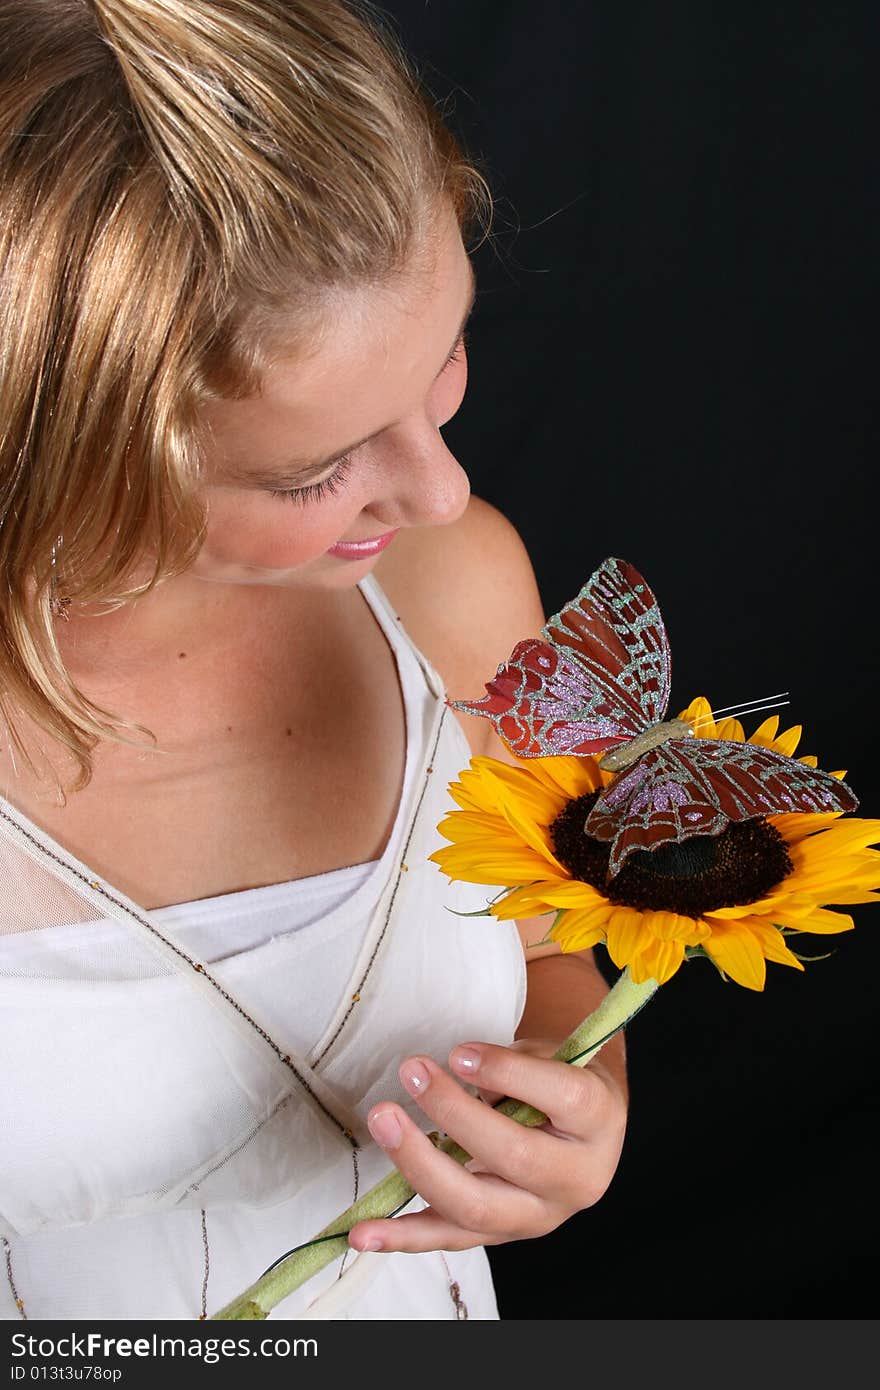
x,y
466,594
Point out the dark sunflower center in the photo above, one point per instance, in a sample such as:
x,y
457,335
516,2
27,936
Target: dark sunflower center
x,y
741,865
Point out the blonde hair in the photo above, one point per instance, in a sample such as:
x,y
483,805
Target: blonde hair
x,y
177,177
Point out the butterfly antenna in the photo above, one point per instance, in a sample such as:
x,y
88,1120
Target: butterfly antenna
x,y
761,709
742,704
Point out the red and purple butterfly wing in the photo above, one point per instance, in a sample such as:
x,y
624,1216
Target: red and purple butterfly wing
x,y
749,780
660,798
689,787
599,676
614,627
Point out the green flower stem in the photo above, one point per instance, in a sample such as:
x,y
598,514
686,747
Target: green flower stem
x,y
619,1006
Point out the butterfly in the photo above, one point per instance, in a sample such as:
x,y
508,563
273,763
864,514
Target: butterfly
x,y
597,681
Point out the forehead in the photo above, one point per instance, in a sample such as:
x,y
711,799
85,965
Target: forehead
x,y
369,359
371,328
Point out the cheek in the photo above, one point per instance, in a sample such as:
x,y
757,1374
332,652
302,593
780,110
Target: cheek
x,y
270,532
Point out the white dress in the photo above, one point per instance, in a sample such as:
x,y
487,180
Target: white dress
x,y
176,1117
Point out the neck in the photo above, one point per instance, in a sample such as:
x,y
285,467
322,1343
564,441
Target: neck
x,y
183,617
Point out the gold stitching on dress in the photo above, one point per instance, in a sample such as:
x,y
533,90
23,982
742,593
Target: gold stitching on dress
x,y
381,936
461,1308
357,1180
9,1275
204,1313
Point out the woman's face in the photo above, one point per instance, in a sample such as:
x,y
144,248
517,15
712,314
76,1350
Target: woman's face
x,y
344,445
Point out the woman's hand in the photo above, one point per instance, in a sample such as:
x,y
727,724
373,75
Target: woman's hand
x,y
521,1182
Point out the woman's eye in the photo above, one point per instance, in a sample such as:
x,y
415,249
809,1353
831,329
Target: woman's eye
x,y
455,355
311,492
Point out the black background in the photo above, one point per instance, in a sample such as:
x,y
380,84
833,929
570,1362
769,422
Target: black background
x,y
671,362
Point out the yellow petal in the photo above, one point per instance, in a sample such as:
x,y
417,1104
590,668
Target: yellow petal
x,y
514,787
734,914
823,922
459,824
658,960
670,926
810,759
846,836
512,907
797,825
531,835
699,714
577,930
736,951
534,898
504,868
572,893
793,904
786,743
766,732
730,729
771,942
464,795
626,934
567,776
854,895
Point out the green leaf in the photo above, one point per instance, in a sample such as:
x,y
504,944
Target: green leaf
x,y
482,911
690,952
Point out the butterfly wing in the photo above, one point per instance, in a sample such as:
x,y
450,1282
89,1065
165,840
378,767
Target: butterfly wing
x,y
749,780
689,787
615,630
659,799
598,675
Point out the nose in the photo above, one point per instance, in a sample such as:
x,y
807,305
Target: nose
x,y
425,483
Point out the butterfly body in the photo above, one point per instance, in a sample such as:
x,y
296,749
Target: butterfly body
x,y
597,682
617,758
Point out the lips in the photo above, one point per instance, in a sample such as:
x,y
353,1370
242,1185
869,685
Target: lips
x,y
361,550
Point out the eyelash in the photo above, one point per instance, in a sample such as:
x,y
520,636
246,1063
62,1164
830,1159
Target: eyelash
x,y
312,492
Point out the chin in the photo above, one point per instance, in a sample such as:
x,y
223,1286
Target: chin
x,y
321,572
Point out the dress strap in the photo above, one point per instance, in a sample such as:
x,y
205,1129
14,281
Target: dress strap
x,y
396,633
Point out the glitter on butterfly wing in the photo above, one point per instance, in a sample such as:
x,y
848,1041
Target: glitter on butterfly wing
x,y
660,798
600,677
542,704
657,800
750,780
689,787
614,626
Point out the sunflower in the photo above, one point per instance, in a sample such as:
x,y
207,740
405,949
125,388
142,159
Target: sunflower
x,y
735,897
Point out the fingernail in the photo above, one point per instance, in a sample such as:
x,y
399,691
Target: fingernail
x,y
414,1077
371,1243
385,1129
465,1059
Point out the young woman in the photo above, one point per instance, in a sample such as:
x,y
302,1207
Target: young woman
x,y
240,570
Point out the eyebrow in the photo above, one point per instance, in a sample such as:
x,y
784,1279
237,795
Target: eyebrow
x,y
299,473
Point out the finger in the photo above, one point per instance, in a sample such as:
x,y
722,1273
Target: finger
x,y
425,1230
538,1047
530,1159
578,1101
416,1233
473,1201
